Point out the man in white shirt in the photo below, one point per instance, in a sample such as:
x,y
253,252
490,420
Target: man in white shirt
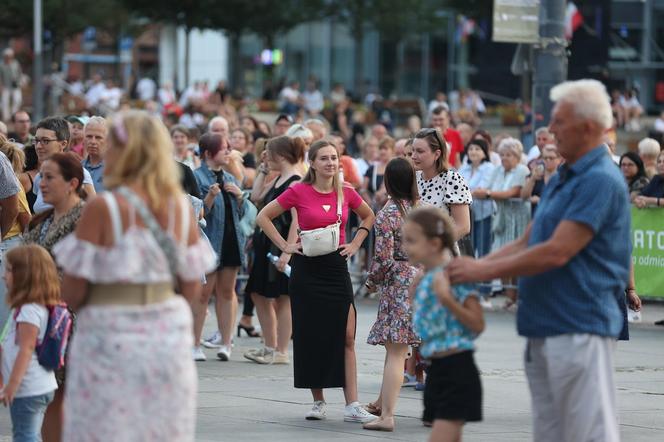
x,y
313,99
659,123
109,101
96,91
289,98
52,137
166,94
146,89
439,101
542,138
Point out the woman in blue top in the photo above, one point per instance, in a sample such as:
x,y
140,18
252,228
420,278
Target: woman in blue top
x,y
224,206
477,172
447,319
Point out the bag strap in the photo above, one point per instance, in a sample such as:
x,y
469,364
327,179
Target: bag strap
x,y
166,243
339,207
5,329
114,210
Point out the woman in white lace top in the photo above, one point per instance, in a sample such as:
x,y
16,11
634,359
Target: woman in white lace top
x,y
130,247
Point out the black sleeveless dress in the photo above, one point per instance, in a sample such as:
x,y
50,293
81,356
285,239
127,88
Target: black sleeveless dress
x,y
264,278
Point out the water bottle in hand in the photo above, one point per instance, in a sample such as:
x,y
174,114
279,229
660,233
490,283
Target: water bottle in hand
x,y
274,259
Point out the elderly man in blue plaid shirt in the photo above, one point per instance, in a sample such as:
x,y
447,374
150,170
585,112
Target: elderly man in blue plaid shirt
x,y
573,262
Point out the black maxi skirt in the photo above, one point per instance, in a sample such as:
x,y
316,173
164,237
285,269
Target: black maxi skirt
x,y
321,297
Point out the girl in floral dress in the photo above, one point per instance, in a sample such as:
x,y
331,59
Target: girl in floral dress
x,y
391,275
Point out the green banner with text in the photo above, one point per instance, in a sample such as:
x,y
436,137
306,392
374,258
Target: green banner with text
x,y
648,251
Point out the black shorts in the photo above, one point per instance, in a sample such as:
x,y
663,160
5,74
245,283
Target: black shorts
x,y
453,389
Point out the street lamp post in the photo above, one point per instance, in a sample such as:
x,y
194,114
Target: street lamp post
x,y
37,67
550,58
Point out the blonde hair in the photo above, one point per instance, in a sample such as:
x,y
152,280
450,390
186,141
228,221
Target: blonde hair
x,y
511,144
35,277
649,148
146,157
14,154
310,177
435,141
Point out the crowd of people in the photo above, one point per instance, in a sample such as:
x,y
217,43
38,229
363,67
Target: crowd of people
x,y
138,222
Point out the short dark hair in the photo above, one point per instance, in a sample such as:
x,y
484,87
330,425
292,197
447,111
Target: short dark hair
x,y
439,110
18,112
58,125
211,143
482,144
284,117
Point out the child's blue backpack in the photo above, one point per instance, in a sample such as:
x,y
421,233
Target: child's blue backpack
x,y
51,350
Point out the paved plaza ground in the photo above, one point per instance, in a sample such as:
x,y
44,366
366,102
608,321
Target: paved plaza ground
x,y
243,401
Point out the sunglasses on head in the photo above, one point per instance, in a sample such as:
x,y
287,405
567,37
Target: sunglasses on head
x,y
428,132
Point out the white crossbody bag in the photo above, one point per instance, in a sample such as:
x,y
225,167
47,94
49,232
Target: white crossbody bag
x,y
317,242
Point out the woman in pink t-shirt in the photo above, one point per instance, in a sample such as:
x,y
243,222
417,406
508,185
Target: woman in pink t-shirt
x,y
320,288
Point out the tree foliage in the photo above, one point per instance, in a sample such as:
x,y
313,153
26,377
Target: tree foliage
x,y
471,8
62,18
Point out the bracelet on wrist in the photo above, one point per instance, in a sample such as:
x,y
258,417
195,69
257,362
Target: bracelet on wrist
x,y
363,228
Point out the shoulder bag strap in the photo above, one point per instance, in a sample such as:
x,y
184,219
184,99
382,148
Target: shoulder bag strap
x,y
114,210
166,243
5,329
339,206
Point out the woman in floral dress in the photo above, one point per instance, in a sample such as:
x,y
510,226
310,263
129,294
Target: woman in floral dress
x,y
391,276
120,266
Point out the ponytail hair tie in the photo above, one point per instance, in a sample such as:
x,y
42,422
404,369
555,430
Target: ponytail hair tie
x,y
120,131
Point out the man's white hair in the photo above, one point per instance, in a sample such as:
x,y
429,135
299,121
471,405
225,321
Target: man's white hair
x,y
314,122
542,130
96,121
297,130
217,119
589,99
511,144
649,148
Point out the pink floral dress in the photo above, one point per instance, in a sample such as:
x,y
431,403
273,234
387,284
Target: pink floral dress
x,y
392,275
130,373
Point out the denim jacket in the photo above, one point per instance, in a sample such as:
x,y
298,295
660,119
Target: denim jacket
x,y
216,216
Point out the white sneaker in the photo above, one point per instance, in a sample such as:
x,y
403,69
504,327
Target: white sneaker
x,y
356,413
409,380
253,353
317,412
281,358
224,353
486,303
213,341
265,357
198,354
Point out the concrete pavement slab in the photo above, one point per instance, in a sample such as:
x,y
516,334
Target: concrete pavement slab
x,y
243,401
